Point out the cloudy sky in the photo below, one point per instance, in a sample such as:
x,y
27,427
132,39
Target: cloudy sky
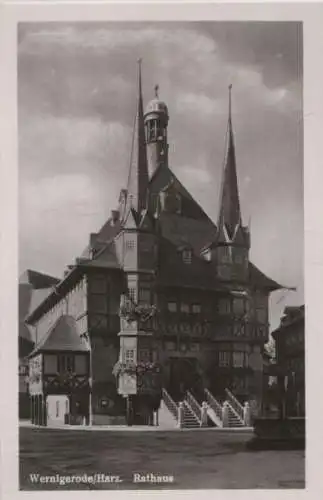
x,y
76,104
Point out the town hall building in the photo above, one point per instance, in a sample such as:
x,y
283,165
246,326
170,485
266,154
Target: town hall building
x,y
163,304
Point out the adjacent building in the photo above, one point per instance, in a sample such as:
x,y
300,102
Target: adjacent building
x,y
290,359
162,296
33,287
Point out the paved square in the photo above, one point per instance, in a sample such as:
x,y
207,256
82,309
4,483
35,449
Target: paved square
x,y
196,459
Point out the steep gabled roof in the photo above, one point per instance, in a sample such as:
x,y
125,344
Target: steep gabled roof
x,y
259,280
63,336
164,177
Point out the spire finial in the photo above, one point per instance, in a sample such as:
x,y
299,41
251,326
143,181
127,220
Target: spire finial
x,y
230,90
156,90
139,61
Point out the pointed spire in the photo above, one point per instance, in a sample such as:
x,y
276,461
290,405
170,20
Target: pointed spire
x,y
229,214
138,173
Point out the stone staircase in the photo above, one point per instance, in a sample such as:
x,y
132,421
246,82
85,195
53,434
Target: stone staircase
x,y
233,419
215,409
236,417
189,413
191,420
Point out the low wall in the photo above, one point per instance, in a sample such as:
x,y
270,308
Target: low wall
x,y
279,428
108,420
273,433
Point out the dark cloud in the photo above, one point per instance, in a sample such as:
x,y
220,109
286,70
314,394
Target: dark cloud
x,y
276,49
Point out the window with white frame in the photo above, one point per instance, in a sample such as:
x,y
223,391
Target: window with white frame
x,y
224,358
129,356
196,308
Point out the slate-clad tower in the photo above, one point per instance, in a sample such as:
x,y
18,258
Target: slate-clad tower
x,y
137,249
230,248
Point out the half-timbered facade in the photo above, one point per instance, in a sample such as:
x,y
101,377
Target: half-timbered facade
x,y
164,296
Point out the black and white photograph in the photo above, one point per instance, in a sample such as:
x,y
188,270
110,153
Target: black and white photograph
x,y
161,275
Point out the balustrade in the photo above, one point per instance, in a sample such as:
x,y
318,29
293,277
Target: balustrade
x,y
194,405
170,403
214,404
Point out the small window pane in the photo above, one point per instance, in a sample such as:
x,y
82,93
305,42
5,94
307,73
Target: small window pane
x,y
50,363
187,256
80,364
238,305
224,306
238,359
185,308
224,358
144,355
196,308
130,356
145,295
261,315
170,346
172,306
130,244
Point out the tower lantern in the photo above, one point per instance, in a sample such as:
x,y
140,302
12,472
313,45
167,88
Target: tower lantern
x,y
156,122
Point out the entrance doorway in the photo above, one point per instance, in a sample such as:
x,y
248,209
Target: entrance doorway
x,y
184,377
57,407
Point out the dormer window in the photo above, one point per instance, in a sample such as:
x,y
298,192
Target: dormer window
x,y
224,254
187,256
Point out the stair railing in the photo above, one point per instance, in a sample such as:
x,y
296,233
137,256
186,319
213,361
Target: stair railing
x,y
193,404
236,406
170,403
214,404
